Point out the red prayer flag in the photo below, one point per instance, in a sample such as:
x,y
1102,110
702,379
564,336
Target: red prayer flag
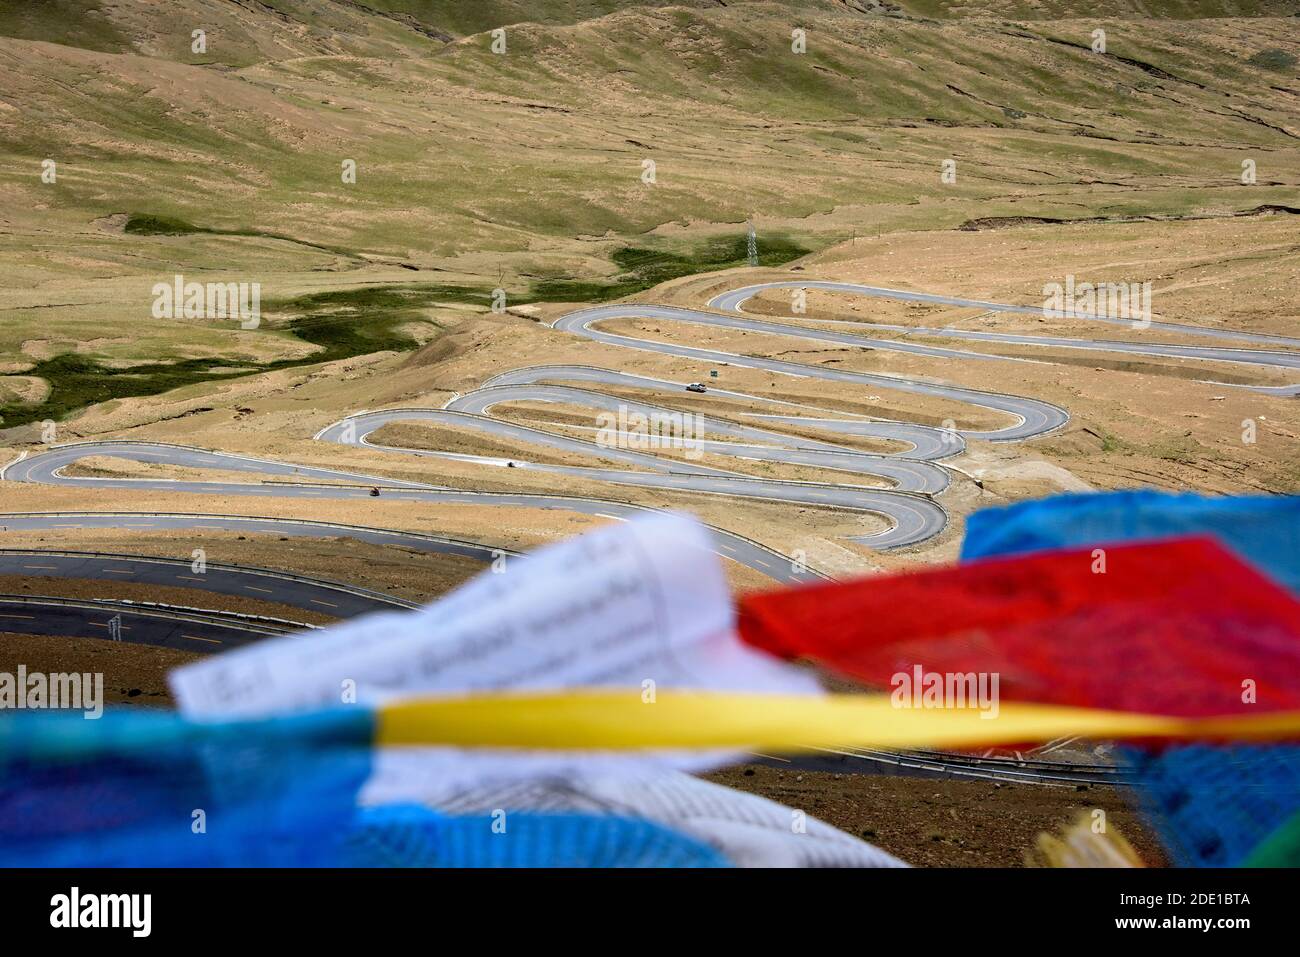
x,y
1177,627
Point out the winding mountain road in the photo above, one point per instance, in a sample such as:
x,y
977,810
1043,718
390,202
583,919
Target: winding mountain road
x,y
734,300
1034,417
924,442
46,468
898,486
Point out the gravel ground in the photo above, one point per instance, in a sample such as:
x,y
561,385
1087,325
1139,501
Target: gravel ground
x,y
942,823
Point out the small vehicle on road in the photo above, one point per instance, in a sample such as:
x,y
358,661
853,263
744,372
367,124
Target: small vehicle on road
x,y
374,492
697,387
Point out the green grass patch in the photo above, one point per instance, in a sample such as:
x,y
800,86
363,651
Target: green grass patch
x,y
353,322
77,381
160,226
350,322
147,224
1273,59
644,267
342,324
77,23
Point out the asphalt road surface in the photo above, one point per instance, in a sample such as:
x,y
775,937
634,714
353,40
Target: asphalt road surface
x,y
45,466
1033,416
328,598
734,300
163,627
907,473
913,517
923,442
